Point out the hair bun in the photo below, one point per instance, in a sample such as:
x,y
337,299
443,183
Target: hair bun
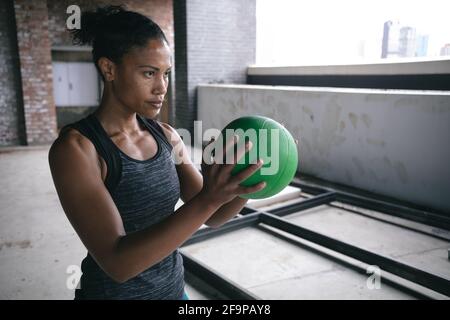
x,y
93,22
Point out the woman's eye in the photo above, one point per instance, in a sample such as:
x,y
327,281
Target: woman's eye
x,y
152,73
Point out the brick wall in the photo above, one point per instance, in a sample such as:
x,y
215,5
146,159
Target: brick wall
x,y
159,11
36,70
11,105
215,42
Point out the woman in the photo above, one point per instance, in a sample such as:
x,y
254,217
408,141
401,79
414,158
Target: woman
x,y
115,174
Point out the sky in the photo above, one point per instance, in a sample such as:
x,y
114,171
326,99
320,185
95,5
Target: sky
x,y
296,32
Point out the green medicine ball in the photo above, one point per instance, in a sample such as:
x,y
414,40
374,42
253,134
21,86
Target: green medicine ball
x,y
271,142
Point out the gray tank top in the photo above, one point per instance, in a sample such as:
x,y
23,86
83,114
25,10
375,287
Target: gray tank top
x,y
145,192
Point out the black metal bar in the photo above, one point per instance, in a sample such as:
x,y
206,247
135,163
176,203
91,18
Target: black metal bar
x,y
314,190
405,271
315,201
431,231
247,210
232,225
425,217
395,210
225,286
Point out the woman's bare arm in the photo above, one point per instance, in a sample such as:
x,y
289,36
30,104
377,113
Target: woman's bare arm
x,y
94,216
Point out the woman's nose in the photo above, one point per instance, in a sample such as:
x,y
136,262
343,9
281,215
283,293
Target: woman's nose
x,y
160,86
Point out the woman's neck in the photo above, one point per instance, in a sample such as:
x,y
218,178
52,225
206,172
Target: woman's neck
x,y
115,118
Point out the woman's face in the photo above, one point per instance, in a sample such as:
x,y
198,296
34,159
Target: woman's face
x,y
142,78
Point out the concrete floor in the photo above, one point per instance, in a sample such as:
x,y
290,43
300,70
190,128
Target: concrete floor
x,y
37,243
273,267
38,246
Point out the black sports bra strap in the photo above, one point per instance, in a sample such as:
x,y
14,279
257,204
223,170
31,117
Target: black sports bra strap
x,y
157,130
92,129
89,127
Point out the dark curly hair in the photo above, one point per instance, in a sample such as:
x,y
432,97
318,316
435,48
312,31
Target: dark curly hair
x,y
113,31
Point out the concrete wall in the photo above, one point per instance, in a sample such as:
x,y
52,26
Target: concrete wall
x,y
415,66
390,142
410,74
215,42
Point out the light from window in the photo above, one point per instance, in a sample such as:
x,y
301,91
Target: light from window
x,y
307,32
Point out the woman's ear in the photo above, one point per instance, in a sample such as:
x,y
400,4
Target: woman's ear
x,y
106,66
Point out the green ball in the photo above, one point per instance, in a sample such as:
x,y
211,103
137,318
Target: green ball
x,y
271,142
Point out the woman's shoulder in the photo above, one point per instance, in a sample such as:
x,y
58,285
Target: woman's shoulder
x,y
70,137
165,126
171,134
71,144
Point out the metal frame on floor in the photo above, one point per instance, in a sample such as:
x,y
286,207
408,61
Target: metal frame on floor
x,y
425,217
273,218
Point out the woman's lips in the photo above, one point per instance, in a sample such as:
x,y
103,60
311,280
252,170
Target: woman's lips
x,y
156,104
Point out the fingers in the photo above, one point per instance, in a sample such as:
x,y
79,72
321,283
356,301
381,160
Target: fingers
x,y
237,156
208,164
207,153
255,188
219,157
247,172
242,151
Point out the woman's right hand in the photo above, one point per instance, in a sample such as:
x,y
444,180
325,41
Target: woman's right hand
x,y
219,186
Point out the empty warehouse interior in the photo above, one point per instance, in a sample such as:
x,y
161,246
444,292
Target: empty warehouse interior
x,y
366,215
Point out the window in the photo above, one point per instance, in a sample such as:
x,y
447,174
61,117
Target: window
x,y
308,32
